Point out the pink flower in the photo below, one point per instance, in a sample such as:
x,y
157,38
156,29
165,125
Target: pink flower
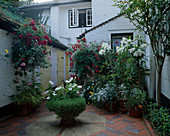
x,y
49,57
78,41
97,71
23,64
97,67
71,59
32,24
29,83
96,55
93,74
93,66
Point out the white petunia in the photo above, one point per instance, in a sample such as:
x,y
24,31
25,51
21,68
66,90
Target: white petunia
x,y
79,86
54,94
70,89
58,88
46,92
102,52
48,98
51,82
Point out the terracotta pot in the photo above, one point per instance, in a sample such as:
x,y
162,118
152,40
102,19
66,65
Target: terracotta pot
x,y
122,107
24,109
136,113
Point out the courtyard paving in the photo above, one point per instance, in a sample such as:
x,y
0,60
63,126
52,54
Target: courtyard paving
x,y
92,122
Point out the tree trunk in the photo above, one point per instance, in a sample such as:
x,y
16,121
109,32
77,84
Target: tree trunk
x,y
159,79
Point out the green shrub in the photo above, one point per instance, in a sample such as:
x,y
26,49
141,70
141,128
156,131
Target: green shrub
x,y
160,119
67,108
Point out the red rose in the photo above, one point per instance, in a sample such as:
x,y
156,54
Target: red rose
x,y
97,67
78,41
93,66
115,59
71,64
25,25
71,59
34,28
23,59
21,36
98,59
84,40
32,24
97,71
96,55
46,37
116,53
67,53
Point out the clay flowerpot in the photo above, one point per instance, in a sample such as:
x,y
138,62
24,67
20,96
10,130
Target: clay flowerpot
x,y
122,107
136,112
24,109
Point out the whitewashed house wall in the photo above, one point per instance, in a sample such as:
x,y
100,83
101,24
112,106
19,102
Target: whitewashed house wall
x,y
116,26
103,10
7,86
60,22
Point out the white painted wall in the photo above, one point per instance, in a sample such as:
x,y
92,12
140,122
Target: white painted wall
x,y
166,77
103,10
119,25
60,23
7,86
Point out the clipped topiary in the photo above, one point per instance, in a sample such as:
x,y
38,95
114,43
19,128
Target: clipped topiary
x,y
65,101
67,109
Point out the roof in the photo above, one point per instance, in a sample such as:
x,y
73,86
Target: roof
x,y
47,5
99,25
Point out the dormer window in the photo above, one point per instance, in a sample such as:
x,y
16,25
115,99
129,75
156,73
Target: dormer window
x,y
80,18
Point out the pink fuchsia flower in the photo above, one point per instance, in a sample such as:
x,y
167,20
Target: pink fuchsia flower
x,y
42,25
49,57
29,83
23,64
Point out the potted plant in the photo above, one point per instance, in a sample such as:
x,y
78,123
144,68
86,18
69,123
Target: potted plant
x,y
123,92
29,95
66,102
136,99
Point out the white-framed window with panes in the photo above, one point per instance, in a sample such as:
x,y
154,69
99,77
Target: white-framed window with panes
x,y
80,18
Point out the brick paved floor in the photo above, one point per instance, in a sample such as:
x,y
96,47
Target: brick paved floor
x,y
117,124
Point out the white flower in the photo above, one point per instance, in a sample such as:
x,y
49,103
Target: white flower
x,y
46,92
51,82
58,88
138,53
70,89
144,45
106,46
71,79
129,40
48,98
79,86
74,85
131,50
54,94
124,40
67,81
102,52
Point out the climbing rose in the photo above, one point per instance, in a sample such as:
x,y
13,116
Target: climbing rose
x,y
23,64
34,28
32,24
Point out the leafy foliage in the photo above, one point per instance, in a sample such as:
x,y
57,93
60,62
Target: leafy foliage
x,y
160,118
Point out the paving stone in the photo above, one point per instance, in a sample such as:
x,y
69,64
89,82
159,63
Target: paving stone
x,y
114,131
132,129
128,121
117,116
101,134
110,122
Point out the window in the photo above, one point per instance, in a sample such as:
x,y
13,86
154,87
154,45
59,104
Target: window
x,y
116,38
80,18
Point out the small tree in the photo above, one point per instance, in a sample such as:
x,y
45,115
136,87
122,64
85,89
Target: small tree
x,y
152,17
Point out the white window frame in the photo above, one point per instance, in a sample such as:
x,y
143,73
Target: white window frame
x,y
74,17
87,11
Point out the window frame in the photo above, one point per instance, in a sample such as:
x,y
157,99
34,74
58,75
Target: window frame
x,y
87,10
77,19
